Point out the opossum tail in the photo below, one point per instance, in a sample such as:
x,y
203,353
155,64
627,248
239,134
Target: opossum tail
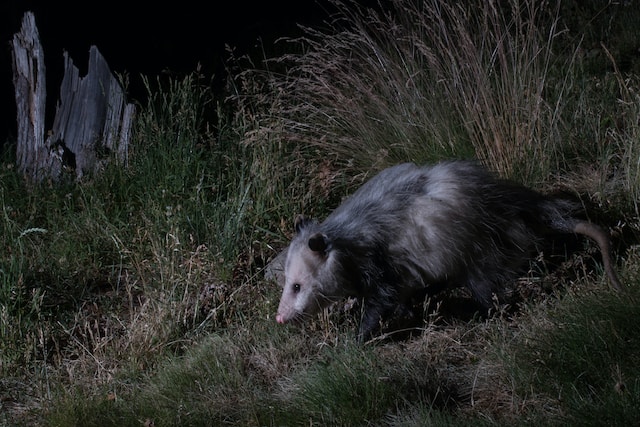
x,y
602,239
557,213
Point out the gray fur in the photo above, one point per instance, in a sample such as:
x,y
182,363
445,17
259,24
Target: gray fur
x,y
411,228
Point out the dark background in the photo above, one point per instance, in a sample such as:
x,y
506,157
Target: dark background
x,y
147,38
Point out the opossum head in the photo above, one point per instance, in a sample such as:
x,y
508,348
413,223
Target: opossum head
x,y
310,271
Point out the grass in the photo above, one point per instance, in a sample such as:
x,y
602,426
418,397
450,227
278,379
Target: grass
x,y
137,295
435,80
583,352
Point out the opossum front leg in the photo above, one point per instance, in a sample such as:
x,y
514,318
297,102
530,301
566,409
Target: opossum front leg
x,y
370,322
374,313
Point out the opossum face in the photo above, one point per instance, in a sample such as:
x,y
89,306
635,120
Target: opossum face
x,y
309,286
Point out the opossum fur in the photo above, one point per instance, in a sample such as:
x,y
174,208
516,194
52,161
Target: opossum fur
x,y
410,228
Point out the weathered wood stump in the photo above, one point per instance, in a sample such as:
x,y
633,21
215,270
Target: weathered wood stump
x,y
92,123
91,118
31,92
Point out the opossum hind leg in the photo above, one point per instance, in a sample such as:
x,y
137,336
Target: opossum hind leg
x,y
482,291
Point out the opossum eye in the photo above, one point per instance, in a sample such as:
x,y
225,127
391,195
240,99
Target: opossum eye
x,y
296,287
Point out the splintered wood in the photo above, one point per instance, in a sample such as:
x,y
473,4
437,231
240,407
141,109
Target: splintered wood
x,y
92,123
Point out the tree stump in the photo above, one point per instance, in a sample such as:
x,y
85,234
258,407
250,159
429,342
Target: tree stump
x,y
91,120
92,123
30,85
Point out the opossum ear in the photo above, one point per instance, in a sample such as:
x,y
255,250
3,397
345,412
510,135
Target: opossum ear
x,y
301,222
319,243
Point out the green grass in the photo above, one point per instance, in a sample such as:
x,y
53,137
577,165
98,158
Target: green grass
x,y
583,353
137,296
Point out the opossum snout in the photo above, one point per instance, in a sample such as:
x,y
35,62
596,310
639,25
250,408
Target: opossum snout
x,y
283,316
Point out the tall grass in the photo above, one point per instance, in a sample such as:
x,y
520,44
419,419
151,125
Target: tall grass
x,y
425,81
626,137
112,273
20,305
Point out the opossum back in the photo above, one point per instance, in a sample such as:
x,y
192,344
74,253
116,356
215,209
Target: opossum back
x,y
381,207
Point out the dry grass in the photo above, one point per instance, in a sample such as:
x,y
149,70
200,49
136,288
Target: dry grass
x,y
425,81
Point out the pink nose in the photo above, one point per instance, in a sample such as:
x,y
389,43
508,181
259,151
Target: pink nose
x,y
279,319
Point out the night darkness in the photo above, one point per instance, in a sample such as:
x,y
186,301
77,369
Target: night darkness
x,y
146,38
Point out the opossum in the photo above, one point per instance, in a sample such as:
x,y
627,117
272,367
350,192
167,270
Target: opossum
x,y
411,228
